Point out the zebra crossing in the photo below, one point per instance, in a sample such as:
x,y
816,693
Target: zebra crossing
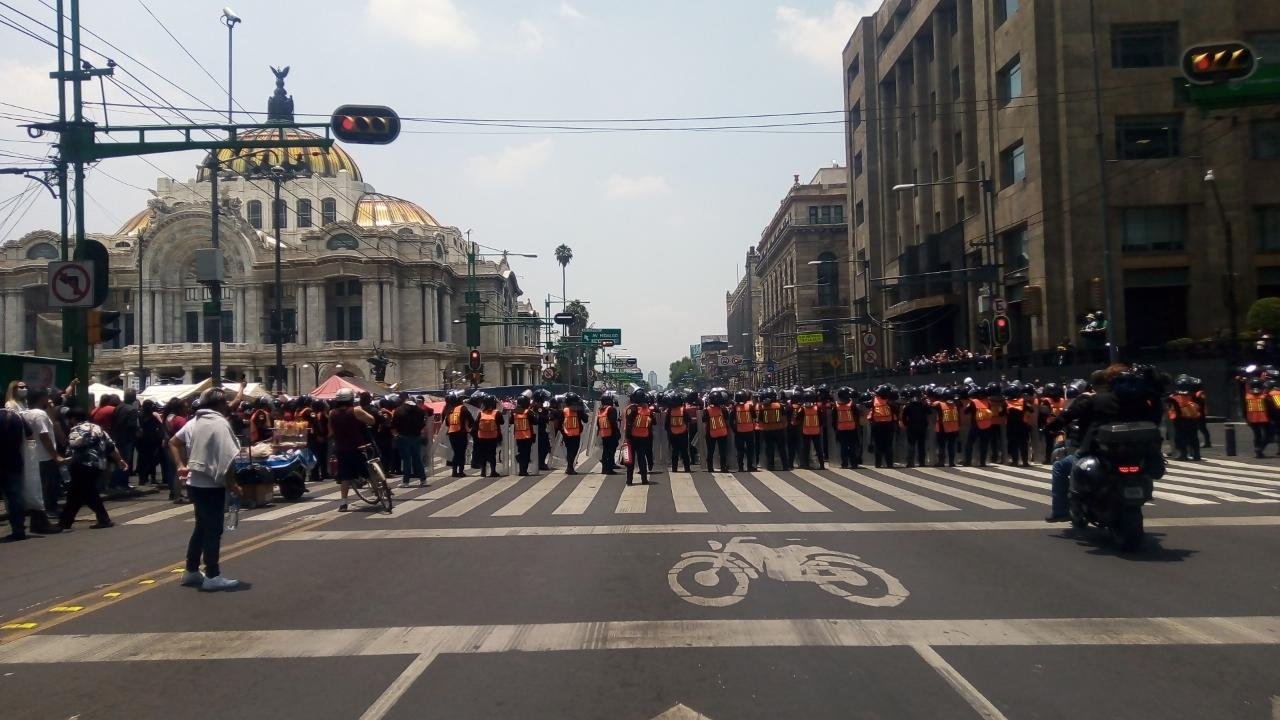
x,y
750,494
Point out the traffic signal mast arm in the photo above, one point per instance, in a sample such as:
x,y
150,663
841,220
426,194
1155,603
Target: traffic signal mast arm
x,y
78,144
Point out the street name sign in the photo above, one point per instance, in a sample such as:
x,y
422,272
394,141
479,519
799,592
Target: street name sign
x,y
816,338
596,335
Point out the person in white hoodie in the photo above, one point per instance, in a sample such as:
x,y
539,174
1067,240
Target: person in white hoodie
x,y
203,451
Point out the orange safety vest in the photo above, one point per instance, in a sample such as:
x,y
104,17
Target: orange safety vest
x,y
571,426
1275,398
771,417
948,417
676,425
256,434
881,411
1187,408
811,424
1255,408
523,426
1020,405
982,414
797,412
641,421
716,426
742,419
455,419
487,429
846,416
603,424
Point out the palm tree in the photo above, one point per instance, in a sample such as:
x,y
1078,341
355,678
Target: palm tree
x,y
564,255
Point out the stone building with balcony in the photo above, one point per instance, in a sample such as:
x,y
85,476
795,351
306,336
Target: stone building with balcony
x,y
801,264
361,270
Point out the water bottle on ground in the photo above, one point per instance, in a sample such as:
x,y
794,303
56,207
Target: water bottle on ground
x,y
231,516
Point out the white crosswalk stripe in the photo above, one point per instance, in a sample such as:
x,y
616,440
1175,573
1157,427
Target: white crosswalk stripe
x,y
996,488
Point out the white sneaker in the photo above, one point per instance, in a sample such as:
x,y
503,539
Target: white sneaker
x,y
221,582
191,579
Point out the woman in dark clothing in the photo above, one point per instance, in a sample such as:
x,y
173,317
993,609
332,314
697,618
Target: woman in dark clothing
x,y
151,438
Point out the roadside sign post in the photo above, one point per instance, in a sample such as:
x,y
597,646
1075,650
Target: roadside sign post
x,y
599,335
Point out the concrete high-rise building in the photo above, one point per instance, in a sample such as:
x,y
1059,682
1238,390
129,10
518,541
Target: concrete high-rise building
x,y
950,92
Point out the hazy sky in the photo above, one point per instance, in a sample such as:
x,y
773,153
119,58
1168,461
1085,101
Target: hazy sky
x,y
659,221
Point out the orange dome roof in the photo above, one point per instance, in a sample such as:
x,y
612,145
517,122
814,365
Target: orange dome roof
x,y
325,163
378,210
136,224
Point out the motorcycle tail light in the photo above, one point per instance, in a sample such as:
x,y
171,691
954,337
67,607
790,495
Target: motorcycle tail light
x,y
1130,469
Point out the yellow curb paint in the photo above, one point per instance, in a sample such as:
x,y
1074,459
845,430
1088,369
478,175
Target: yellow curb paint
x,y
146,582
175,570
112,595
18,626
66,608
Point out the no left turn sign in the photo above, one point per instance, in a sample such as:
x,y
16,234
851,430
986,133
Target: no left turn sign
x,y
71,284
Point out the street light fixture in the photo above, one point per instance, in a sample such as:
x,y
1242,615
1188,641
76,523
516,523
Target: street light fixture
x,y
337,368
1233,348
230,19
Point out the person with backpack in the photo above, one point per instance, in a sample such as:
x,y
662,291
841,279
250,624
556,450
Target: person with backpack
x,y
89,449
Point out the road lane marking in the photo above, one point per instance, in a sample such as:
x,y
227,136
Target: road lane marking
x,y
966,690
1220,494
156,517
404,506
1042,481
849,497
294,508
902,494
580,499
204,646
976,499
525,501
398,687
1040,497
477,498
745,528
741,498
634,499
685,494
1254,484
789,493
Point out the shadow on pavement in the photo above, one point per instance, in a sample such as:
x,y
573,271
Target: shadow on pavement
x,y
1100,542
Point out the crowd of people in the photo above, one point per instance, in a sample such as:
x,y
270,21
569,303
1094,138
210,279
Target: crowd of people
x,y
956,359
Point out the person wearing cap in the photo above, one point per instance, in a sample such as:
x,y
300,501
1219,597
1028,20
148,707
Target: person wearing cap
x,y
408,421
203,450
348,432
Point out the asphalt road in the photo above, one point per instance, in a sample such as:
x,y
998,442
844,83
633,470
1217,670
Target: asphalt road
x,y
902,594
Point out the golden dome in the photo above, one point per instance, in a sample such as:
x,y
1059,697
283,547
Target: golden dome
x,y
377,210
136,224
324,163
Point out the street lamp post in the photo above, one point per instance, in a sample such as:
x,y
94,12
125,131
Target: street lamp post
x,y
1233,344
230,19
317,367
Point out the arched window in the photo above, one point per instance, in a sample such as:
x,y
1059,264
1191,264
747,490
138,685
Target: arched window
x,y
342,242
440,252
304,213
328,211
828,280
42,251
253,210
281,219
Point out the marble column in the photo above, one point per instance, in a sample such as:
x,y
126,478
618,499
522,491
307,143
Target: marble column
x,y
187,375
395,338
429,310
315,314
253,316
446,314
15,316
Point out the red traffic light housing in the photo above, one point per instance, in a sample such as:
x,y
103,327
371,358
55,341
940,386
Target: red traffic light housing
x,y
365,124
1218,62
984,332
474,361
1001,330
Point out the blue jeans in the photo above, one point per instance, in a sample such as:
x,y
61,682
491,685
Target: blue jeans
x,y
13,500
410,448
1061,484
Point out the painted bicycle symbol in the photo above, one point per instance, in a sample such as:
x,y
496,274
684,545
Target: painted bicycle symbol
x,y
719,577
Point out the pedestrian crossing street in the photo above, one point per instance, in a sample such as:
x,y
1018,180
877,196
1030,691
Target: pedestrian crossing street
x,y
752,494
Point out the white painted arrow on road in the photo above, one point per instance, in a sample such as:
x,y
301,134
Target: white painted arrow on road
x,y
680,711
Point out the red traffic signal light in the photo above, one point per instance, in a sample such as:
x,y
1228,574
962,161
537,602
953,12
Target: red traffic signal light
x,y
1001,330
1218,62
474,361
365,124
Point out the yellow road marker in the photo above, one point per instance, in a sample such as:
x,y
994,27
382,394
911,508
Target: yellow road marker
x,y
112,595
146,582
67,608
18,626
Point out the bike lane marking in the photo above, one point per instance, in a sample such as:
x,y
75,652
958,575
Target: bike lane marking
x,y
741,498
1041,480
580,499
789,493
477,498
634,499
984,485
976,499
685,494
525,501
920,501
851,498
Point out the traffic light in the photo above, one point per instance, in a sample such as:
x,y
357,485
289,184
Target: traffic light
x,y
365,124
1002,331
1218,62
101,326
474,361
473,329
984,332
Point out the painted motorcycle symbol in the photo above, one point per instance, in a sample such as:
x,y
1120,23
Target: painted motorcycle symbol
x,y
719,577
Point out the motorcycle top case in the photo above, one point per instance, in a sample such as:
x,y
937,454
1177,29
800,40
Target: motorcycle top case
x,y
1141,434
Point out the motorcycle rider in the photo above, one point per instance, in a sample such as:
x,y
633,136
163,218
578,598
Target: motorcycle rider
x,y
639,424
607,427
744,431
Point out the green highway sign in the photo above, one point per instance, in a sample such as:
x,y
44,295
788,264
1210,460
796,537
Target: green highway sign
x,y
816,338
598,335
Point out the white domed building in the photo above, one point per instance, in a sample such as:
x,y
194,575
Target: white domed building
x,y
361,270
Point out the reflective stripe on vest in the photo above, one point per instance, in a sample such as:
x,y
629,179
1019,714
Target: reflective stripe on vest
x,y
846,416
881,412
812,423
716,426
1255,408
571,426
523,427
487,429
742,419
455,419
641,421
948,417
675,421
771,417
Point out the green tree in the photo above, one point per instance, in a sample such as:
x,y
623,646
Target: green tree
x,y
564,255
579,310
1264,315
682,367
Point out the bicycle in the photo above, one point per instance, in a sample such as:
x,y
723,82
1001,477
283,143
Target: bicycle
x,y
373,488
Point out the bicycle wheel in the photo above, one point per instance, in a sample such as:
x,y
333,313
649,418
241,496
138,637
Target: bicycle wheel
x,y
378,480
365,490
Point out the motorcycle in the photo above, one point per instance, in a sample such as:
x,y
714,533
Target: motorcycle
x,y
720,577
1109,486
